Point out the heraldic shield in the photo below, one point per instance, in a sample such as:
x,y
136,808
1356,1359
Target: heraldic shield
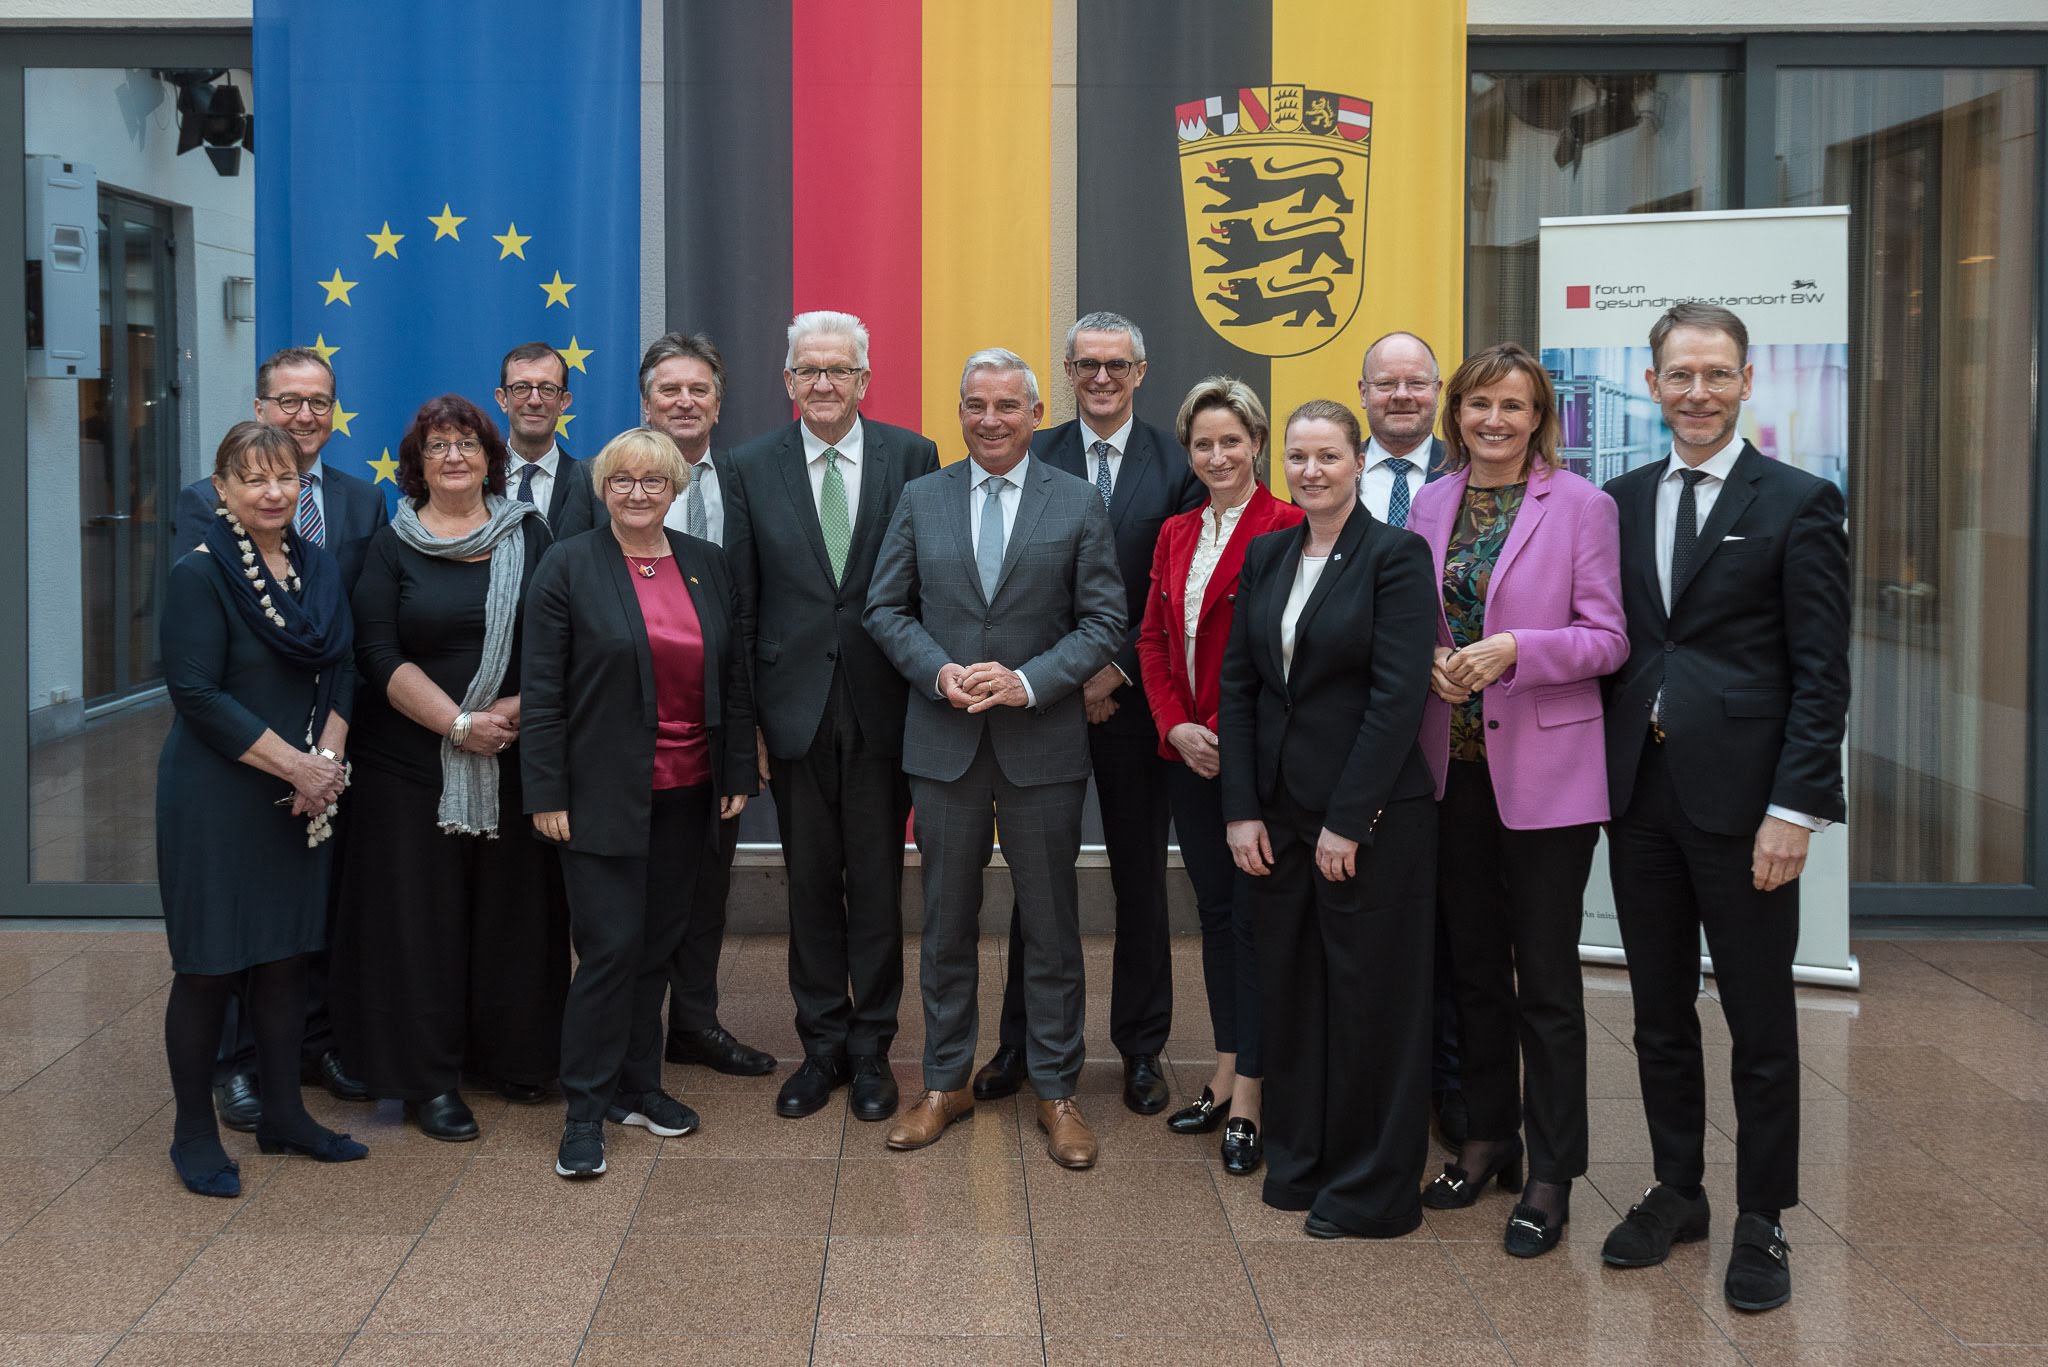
x,y
1273,183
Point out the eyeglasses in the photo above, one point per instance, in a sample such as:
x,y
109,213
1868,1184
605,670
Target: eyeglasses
x,y
655,485
1087,367
468,446
1718,380
837,374
521,390
289,404
1391,387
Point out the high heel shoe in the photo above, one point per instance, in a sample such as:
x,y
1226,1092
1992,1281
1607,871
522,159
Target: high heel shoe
x,y
1199,1117
1243,1150
221,1181
328,1147
1454,1188
1531,1233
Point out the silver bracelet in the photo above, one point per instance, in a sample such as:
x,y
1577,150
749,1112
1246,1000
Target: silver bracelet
x,y
459,732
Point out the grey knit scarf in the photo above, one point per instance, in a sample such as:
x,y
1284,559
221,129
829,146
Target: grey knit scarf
x,y
469,783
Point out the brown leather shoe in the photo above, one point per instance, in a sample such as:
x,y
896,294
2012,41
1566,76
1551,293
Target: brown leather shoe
x,y
923,1123
1067,1137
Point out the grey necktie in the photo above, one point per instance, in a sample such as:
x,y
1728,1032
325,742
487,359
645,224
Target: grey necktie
x,y
695,521
989,554
1104,485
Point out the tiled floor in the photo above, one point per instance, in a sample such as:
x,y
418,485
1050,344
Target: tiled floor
x,y
759,1240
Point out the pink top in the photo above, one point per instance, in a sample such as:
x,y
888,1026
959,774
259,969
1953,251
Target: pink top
x,y
682,750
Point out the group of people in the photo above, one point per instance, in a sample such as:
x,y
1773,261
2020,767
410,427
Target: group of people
x,y
416,760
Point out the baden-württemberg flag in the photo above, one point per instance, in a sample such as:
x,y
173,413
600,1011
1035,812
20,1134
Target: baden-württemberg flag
x,y
440,183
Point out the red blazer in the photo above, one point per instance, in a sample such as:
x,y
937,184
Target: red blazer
x,y
1162,640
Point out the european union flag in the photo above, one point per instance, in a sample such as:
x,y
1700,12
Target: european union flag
x,y
438,183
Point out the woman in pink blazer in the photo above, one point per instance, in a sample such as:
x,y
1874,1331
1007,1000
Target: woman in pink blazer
x,y
1529,557
1180,659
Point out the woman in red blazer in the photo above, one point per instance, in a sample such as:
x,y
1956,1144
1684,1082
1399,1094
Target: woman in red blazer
x,y
1180,655
1528,556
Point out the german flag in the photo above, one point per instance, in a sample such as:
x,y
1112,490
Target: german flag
x,y
1264,186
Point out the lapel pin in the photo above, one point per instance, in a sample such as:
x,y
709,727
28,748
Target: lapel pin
x,y
1337,555
693,579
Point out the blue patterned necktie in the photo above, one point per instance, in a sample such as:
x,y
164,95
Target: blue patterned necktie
x,y
1102,451
525,494
988,556
312,527
1397,501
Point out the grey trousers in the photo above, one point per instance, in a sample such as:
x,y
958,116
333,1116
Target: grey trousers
x,y
1041,829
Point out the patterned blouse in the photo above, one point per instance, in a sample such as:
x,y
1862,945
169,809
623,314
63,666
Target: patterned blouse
x,y
1476,541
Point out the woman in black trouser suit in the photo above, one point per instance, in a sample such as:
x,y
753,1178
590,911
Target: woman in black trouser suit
x,y
639,737
1328,803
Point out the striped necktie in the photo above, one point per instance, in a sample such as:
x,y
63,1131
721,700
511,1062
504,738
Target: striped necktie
x,y
312,527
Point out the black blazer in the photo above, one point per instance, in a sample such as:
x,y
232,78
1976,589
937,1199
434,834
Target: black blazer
x,y
573,506
1339,733
587,703
353,508
799,626
1154,482
1754,655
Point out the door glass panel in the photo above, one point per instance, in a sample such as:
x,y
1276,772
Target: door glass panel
x,y
138,375
1939,168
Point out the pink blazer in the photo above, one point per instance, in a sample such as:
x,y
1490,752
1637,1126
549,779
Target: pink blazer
x,y
1557,587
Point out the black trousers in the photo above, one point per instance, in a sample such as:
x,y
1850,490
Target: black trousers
x,y
237,1053
626,916
842,809
693,968
1511,903
1223,898
1671,880
1344,976
451,952
1444,1030
1130,789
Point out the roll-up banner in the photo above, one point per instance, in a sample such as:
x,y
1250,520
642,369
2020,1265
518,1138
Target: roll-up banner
x,y
1605,280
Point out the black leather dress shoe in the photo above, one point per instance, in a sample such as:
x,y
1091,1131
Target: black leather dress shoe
x,y
873,1093
1759,1266
1001,1076
717,1050
524,1093
326,1071
237,1102
810,1086
1145,1089
1662,1218
1453,1118
1316,1227
445,1117
1243,1150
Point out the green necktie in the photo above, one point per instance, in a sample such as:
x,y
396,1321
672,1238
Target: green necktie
x,y
832,515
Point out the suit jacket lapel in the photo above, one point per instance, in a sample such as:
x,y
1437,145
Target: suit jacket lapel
x,y
789,457
558,495
1139,463
1342,556
606,548
965,508
710,617
1286,564
1030,504
1443,521
1736,495
876,478
1644,568
1535,493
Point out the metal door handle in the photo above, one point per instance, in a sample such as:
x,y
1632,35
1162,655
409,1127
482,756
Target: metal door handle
x,y
109,517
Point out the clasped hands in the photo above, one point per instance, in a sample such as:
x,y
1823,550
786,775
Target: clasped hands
x,y
978,687
317,783
1252,849
493,728
1455,675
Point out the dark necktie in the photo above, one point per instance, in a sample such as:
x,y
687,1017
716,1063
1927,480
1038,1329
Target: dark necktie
x,y
1103,484
312,527
1685,534
525,494
1397,501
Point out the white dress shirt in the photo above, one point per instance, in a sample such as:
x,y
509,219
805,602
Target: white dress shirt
x,y
1305,577
1215,533
678,519
316,475
1670,488
1117,440
851,449
1376,481
543,478
1009,497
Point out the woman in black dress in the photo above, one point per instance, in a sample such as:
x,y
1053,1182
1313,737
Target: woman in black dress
x,y
452,941
256,652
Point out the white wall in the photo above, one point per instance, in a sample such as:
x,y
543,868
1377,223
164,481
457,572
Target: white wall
x,y
74,114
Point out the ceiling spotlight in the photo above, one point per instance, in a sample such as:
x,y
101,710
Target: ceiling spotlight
x,y
212,116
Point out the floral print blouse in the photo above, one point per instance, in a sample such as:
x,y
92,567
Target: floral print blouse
x,y
1476,541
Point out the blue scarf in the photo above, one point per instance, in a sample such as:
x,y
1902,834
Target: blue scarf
x,y
317,634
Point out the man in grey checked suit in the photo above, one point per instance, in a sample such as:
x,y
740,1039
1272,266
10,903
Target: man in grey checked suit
x,y
997,595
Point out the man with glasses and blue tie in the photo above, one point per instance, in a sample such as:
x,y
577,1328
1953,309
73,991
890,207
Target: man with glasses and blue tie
x,y
997,597
533,392
294,391
805,508
1142,478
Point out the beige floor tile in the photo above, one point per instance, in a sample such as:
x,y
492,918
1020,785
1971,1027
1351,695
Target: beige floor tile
x,y
124,1194
760,1197
910,1286
1392,1353
54,1350
33,1183
23,1056
907,1195
1245,1208
87,1284
384,1194
1109,1286
112,971
665,1285
693,1350
69,1124
1837,1297
1141,1350
1987,1295
1914,1205
1125,1198
1569,1294
928,1350
736,1128
462,1350
1353,1288
1627,1353
107,1062
279,1284
504,1194
227,1350
49,1012
1982,1134
1911,1073
497,1283
2019,1188
1764,1352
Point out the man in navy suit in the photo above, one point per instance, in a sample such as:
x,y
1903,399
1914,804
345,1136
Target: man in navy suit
x,y
294,391
1143,478
533,392
1399,385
